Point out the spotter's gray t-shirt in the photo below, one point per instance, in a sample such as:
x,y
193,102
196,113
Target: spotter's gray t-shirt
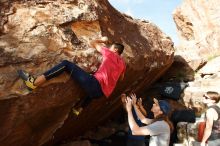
x,y
160,133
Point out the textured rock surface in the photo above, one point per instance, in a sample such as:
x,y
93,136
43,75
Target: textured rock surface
x,y
207,79
34,35
198,28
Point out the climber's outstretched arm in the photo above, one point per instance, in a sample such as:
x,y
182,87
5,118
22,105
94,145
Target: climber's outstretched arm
x,y
98,43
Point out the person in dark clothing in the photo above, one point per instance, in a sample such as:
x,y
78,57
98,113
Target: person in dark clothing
x,y
158,128
135,140
212,128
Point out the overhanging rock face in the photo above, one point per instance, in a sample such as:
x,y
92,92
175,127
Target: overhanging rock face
x,y
36,35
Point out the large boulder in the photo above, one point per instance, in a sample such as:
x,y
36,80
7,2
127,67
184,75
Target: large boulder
x,y
36,35
197,24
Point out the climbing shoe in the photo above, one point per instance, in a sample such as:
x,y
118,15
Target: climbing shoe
x,y
77,111
28,79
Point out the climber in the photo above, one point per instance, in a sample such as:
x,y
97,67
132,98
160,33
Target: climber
x,y
212,128
101,83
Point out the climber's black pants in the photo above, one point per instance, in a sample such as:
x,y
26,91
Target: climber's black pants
x,y
87,81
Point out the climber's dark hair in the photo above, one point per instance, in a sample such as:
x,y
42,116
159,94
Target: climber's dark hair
x,y
119,47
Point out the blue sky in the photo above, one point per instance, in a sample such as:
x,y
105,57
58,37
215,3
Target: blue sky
x,y
157,11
